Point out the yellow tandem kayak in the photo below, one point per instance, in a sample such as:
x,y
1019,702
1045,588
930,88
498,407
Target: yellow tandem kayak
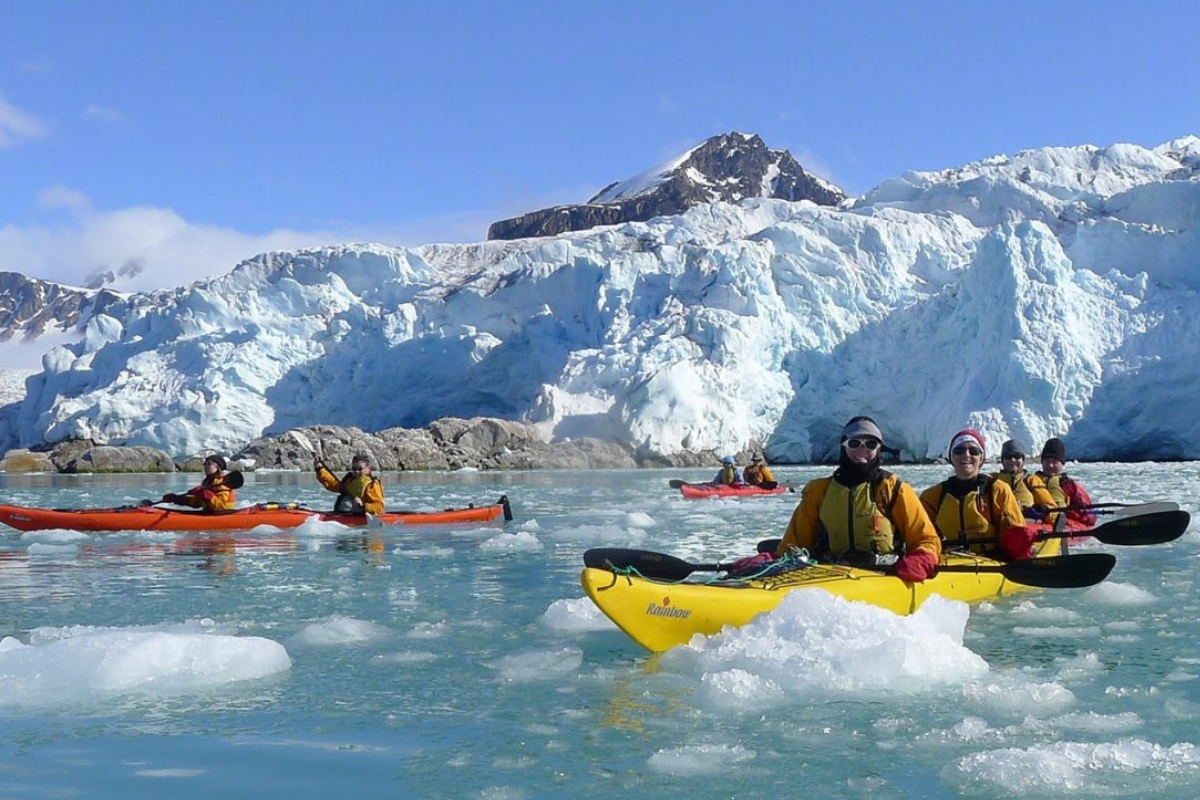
x,y
660,615
647,596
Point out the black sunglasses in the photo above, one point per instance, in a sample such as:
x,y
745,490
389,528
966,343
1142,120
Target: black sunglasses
x,y
962,448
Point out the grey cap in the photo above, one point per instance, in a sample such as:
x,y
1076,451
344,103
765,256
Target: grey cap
x,y
1013,448
862,426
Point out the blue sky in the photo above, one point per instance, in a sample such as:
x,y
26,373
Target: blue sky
x,y
182,136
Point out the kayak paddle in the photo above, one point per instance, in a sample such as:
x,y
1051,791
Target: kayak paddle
x,y
1121,509
1154,528
1057,572
1158,527
1053,572
650,564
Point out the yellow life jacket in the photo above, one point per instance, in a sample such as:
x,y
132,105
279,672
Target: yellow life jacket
x,y
1054,486
849,521
1019,481
962,522
728,475
354,485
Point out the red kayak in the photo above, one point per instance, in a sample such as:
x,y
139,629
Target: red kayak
x,y
694,491
278,515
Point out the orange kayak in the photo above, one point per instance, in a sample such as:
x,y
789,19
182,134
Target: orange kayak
x,y
278,515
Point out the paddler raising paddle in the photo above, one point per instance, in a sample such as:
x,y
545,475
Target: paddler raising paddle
x,y
359,492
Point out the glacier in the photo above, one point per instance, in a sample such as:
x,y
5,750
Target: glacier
x,y
1048,293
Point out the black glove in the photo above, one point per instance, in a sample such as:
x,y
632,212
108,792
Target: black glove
x,y
169,498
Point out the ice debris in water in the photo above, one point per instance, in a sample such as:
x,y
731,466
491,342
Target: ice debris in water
x,y
815,644
701,759
1127,768
576,614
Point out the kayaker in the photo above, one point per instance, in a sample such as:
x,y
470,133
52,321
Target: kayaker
x,y
359,492
729,475
1029,489
862,511
1063,489
758,472
214,492
973,510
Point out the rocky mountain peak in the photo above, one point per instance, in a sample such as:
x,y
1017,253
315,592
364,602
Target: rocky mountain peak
x,y
30,307
729,167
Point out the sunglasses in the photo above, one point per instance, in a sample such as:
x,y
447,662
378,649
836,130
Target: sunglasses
x,y
358,467
862,444
967,449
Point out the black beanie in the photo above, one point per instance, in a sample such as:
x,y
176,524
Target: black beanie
x,y
217,459
1054,448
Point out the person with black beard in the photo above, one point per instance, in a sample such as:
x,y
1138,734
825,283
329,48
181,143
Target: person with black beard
x,y
972,510
863,512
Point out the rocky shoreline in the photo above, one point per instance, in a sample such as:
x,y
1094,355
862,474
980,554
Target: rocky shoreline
x,y
447,444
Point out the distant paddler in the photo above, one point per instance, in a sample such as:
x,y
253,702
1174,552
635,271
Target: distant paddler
x,y
358,491
1065,490
758,473
217,492
1029,489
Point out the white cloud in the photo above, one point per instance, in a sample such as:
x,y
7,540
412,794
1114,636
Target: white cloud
x,y
108,116
143,248
17,125
148,248
60,196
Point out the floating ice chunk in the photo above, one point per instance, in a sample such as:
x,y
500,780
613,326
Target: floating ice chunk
x,y
1128,768
1110,593
816,644
340,630
519,542
699,759
576,614
83,663
539,665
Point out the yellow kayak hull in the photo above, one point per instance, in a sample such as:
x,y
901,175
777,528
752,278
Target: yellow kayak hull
x,y
660,615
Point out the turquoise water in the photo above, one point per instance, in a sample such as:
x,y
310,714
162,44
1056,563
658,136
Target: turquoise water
x,y
464,662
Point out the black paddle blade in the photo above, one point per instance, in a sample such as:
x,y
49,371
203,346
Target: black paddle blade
x,y
1061,572
235,479
1144,529
650,564
675,483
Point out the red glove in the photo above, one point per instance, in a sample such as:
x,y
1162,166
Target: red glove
x,y
916,566
1017,542
752,562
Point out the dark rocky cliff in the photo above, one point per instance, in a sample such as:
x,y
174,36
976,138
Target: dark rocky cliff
x,y
30,307
729,168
